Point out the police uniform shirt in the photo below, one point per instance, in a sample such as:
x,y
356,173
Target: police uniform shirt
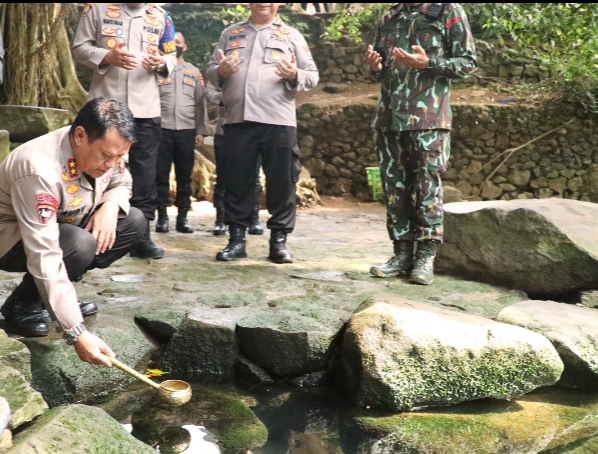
x,y
146,29
214,95
183,101
40,187
255,92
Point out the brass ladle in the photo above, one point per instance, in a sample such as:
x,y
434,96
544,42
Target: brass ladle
x,y
176,392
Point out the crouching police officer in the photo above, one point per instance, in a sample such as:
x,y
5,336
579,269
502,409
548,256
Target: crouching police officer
x,y
64,210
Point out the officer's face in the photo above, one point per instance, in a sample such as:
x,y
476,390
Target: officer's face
x,y
98,157
264,11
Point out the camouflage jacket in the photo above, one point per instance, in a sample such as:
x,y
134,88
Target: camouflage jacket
x,y
416,99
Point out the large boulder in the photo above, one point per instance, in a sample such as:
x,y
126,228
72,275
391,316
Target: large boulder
x,y
25,402
77,429
287,344
398,354
15,354
63,378
572,330
25,123
543,246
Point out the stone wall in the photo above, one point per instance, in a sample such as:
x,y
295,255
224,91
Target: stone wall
x,y
337,145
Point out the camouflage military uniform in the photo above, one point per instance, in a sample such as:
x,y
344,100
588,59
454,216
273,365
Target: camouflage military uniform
x,y
413,118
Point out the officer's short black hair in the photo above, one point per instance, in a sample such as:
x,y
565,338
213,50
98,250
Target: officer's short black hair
x,y
101,114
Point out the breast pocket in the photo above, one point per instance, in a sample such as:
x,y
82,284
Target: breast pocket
x,y
429,36
165,86
150,43
276,51
235,47
189,84
110,36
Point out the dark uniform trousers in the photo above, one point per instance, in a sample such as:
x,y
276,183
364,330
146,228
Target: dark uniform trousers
x,y
244,144
219,190
178,147
143,157
78,251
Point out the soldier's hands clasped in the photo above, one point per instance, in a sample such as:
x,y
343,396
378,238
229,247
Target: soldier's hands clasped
x,y
418,59
121,58
287,69
373,59
228,65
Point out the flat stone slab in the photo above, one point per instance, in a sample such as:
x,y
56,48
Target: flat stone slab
x,y
572,330
25,402
25,123
399,355
77,429
542,246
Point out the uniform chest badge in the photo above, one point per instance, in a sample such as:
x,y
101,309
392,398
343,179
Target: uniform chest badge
x,y
169,80
108,30
152,38
72,188
67,220
161,81
189,82
152,15
65,176
111,43
284,30
235,54
238,30
113,14
72,169
113,7
151,21
75,202
189,71
235,44
201,79
276,55
152,49
150,7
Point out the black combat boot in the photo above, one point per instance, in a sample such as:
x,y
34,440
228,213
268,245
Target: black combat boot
x,y
182,223
423,269
235,248
219,227
400,264
25,316
145,248
256,228
162,222
278,247
86,307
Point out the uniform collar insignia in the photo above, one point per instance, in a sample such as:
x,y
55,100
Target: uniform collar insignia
x,y
150,7
71,169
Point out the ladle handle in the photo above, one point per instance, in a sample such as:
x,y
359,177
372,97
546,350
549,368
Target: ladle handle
x,y
133,372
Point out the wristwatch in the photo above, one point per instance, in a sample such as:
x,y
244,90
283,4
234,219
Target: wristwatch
x,y
70,335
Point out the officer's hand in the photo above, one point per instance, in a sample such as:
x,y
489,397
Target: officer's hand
x,y
102,225
418,59
120,57
287,69
228,65
151,62
373,59
198,140
93,350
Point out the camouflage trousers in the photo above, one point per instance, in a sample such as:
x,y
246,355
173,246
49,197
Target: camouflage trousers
x,y
411,163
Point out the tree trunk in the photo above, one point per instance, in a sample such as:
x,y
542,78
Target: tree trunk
x,y
39,69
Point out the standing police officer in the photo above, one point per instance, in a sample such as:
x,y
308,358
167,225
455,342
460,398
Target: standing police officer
x,y
420,47
261,63
129,46
184,125
64,210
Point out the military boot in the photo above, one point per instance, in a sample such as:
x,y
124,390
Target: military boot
x,y
145,248
219,227
182,223
25,316
278,247
256,228
236,244
423,270
400,264
162,222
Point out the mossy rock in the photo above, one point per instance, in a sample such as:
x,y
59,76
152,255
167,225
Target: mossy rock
x,y
61,431
15,354
25,403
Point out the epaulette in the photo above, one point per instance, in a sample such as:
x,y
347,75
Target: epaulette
x,y
159,8
433,11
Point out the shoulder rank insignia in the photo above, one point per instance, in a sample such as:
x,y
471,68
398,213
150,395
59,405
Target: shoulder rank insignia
x,y
86,10
72,169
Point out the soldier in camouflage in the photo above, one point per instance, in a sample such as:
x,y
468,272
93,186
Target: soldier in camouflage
x,y
419,48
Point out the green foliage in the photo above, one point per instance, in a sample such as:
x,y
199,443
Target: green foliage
x,y
355,22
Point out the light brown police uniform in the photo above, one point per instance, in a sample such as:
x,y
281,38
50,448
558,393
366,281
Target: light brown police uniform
x,y
255,92
41,186
183,101
214,95
103,26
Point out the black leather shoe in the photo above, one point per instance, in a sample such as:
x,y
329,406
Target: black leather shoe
x,y
145,248
219,228
278,248
183,226
162,224
24,317
256,228
88,308
235,249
